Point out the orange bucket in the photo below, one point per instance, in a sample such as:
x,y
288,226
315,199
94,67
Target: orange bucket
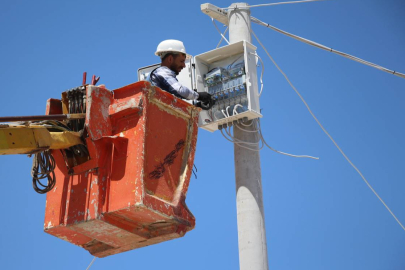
x,y
130,191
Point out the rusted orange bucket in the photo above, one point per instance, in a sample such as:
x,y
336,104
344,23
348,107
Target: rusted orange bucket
x,y
129,192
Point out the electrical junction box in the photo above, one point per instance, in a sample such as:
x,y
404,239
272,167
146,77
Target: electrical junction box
x,y
229,74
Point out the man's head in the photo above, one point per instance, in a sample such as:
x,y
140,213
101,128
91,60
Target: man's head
x,y
174,61
173,54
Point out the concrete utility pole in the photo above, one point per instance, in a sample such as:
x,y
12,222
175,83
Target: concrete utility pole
x,y
249,195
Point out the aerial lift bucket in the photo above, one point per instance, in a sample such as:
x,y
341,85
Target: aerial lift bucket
x,y
129,192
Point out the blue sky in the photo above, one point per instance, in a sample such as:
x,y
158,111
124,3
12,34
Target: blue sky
x,y
319,214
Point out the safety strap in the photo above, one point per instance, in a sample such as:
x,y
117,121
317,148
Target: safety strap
x,y
149,77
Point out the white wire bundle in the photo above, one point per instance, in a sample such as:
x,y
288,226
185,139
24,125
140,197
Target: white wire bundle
x,y
283,153
320,46
261,75
255,146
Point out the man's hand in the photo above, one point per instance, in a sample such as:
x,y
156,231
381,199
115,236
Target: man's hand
x,y
204,97
207,101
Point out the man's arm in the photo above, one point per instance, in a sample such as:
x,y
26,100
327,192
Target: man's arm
x,y
166,79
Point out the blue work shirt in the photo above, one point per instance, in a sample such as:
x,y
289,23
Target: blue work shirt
x,y
165,78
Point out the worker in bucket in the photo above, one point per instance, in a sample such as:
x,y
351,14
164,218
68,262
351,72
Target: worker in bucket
x,y
173,56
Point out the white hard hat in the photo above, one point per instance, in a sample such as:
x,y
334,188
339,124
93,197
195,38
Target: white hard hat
x,y
171,46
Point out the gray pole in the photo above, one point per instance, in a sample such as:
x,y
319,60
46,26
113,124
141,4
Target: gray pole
x,y
249,195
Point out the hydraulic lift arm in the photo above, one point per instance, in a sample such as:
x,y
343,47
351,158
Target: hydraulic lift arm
x,y
120,177
31,139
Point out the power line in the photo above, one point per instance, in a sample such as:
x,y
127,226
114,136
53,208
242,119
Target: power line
x,y
279,3
219,43
327,133
222,35
320,46
88,267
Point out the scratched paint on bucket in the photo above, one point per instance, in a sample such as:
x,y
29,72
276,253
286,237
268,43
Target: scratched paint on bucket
x,y
131,192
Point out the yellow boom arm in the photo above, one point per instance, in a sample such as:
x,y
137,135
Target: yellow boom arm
x,y
19,139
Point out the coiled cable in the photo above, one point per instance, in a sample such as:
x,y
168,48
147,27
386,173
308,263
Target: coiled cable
x,y
43,166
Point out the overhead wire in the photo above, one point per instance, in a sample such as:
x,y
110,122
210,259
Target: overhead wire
x,y
283,3
219,32
88,267
327,133
222,38
320,46
279,3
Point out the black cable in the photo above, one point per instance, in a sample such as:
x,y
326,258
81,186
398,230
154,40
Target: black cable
x,y
43,167
195,175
